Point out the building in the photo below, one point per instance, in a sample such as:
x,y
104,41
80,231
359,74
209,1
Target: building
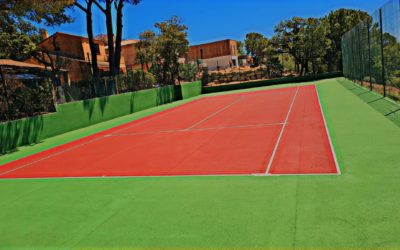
x,y
128,51
216,55
75,53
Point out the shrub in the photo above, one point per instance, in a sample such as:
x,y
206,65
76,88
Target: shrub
x,y
188,71
136,80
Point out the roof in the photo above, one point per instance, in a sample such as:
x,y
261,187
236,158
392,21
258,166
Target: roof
x,y
71,35
129,42
18,64
203,44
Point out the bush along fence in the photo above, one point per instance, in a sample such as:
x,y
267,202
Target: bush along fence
x,y
371,54
76,115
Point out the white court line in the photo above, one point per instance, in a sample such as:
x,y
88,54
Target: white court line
x,y
215,113
128,177
271,160
162,176
197,129
327,134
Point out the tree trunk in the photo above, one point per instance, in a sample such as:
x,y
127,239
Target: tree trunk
x,y
117,59
110,37
89,26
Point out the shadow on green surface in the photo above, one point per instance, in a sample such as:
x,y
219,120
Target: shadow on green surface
x,y
385,106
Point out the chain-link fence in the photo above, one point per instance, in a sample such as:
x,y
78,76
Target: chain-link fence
x,y
371,51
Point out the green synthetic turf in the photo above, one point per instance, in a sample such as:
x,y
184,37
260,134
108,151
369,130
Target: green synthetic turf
x,y
385,106
359,209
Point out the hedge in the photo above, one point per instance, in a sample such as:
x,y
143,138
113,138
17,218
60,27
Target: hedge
x,y
264,83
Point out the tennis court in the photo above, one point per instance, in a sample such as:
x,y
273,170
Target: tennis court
x,y
269,132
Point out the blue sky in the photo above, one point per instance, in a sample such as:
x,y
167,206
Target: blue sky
x,y
210,20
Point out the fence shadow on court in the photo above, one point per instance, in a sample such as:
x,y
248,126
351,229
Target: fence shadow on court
x,y
383,105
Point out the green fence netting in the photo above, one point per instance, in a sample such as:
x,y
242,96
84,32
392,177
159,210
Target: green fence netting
x,y
371,51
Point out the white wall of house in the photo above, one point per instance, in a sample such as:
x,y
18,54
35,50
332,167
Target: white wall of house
x,y
222,62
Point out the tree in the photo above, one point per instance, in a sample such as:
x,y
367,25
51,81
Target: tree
x,y
240,48
256,45
87,9
287,39
338,23
313,43
18,36
53,60
114,52
170,45
146,49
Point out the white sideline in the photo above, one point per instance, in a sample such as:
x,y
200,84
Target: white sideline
x,y
271,160
338,171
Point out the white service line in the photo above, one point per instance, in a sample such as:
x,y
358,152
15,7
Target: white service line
x,y
215,113
271,160
197,129
156,115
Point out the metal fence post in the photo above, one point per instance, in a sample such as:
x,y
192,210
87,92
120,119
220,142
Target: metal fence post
x,y
369,55
383,57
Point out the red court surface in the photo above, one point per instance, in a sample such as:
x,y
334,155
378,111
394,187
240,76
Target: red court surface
x,y
272,132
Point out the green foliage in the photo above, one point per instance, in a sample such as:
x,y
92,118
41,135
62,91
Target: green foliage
x,y
145,54
315,43
18,34
136,80
205,78
273,68
337,24
257,46
241,48
25,98
163,50
171,44
188,71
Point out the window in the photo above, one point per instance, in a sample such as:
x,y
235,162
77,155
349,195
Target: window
x,y
201,54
